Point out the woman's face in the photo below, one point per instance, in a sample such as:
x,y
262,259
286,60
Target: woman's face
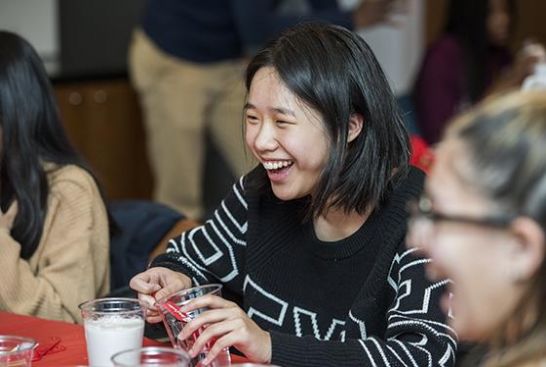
x,y
475,256
285,135
498,22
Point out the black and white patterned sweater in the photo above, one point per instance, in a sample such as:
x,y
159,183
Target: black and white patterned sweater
x,y
361,301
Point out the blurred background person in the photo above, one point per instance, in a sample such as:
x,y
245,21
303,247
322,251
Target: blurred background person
x,y
54,234
482,221
470,60
186,62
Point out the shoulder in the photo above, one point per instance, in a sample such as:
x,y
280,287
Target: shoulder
x,y
71,181
406,187
70,175
405,258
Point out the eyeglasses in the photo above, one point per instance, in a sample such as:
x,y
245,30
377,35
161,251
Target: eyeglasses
x,y
422,210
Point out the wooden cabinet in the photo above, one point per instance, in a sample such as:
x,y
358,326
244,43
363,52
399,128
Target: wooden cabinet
x,y
103,121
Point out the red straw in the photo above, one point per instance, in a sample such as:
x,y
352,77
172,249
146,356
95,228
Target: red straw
x,y
174,310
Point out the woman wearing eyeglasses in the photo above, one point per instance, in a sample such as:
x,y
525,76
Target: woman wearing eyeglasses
x,y
482,221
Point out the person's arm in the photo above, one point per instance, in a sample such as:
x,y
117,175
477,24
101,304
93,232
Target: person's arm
x,y
215,251
439,89
68,257
416,333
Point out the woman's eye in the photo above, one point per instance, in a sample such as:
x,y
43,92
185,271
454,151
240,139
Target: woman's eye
x,y
252,119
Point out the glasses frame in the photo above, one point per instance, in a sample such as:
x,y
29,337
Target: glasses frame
x,y
422,209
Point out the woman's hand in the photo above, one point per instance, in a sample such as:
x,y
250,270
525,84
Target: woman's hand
x,y
156,283
7,218
526,59
524,65
225,325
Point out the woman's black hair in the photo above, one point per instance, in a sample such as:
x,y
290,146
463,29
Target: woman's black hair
x,y
32,134
467,21
334,71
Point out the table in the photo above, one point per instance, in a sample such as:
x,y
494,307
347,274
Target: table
x,y
72,339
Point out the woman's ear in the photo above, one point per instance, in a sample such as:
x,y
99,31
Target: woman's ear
x,y
355,126
529,255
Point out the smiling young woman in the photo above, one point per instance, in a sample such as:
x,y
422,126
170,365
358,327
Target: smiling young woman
x,y
312,240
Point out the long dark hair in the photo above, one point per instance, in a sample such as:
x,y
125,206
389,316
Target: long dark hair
x,y
335,72
467,21
32,134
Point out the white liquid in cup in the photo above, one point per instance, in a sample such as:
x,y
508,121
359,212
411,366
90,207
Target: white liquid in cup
x,y
109,335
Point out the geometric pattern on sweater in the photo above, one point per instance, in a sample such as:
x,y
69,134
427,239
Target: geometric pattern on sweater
x,y
367,296
275,312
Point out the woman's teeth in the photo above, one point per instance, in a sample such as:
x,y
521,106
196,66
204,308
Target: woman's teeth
x,y
272,165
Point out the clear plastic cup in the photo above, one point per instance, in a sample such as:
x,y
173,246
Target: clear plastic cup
x,y
152,357
112,325
16,351
175,322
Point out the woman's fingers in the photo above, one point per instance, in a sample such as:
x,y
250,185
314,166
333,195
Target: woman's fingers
x,y
206,318
225,324
148,300
152,319
212,332
159,282
208,301
143,284
224,342
170,286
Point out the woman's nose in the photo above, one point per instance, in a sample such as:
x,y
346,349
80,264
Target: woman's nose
x,y
265,138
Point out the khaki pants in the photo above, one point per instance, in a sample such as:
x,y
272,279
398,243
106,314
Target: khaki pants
x,y
180,100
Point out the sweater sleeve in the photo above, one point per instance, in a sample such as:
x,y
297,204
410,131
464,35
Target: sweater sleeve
x,y
215,251
65,275
416,333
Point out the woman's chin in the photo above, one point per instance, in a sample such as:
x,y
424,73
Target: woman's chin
x,y
468,330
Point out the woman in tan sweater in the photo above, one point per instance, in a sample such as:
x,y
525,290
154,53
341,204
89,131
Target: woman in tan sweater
x,y
54,235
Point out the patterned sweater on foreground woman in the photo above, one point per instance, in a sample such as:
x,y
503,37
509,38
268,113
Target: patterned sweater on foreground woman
x,y
360,301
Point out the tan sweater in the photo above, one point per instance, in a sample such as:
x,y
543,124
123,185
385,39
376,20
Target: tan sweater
x,y
71,263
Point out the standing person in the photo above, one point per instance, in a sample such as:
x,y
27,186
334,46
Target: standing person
x,y
186,62
468,62
312,239
482,221
54,237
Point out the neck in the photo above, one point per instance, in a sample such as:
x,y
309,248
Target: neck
x,y
518,327
335,224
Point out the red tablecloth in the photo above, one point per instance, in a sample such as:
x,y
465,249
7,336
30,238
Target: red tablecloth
x,y
72,350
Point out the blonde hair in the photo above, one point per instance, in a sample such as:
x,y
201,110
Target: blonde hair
x,y
505,142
